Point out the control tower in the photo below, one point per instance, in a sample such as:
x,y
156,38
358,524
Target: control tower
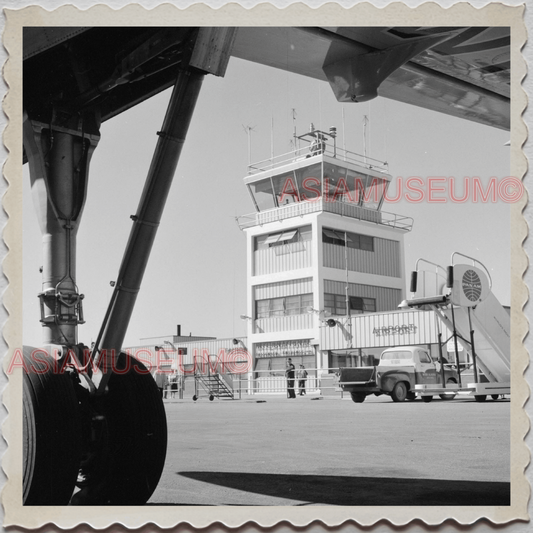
x,y
319,249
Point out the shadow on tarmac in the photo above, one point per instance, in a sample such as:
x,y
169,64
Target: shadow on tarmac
x,y
357,491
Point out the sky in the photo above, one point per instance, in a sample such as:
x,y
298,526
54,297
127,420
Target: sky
x,y
196,275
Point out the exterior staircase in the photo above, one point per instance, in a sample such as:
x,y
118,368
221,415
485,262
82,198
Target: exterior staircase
x,y
214,386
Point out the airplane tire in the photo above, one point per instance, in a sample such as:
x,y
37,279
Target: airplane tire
x,y
495,396
211,397
480,397
399,392
131,460
194,398
427,399
411,396
51,433
358,397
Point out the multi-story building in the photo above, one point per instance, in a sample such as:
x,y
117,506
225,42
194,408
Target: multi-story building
x,y
318,245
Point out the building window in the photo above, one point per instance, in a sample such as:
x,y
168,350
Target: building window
x,y
281,238
287,305
336,304
354,240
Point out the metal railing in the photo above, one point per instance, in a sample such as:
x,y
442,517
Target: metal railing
x,y
346,209
322,381
330,149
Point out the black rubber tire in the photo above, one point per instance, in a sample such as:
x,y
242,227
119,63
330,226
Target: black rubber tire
x,y
399,392
358,397
480,397
411,396
427,399
136,431
51,432
495,396
211,397
448,396
194,398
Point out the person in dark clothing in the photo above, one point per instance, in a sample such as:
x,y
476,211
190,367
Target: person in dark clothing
x,y
290,379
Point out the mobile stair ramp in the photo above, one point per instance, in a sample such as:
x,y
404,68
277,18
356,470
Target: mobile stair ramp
x,y
213,385
492,342
478,322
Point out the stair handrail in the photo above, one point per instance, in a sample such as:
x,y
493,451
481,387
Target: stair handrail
x,y
474,261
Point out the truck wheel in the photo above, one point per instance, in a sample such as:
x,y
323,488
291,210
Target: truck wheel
x,y
358,397
51,433
411,396
427,399
449,395
128,459
399,393
480,397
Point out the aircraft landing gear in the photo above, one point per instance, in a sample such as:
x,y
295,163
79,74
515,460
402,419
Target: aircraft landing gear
x,y
51,432
124,464
111,447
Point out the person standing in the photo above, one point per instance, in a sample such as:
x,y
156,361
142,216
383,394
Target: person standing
x,y
290,379
302,376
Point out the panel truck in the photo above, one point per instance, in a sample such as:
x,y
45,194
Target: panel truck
x,y
399,371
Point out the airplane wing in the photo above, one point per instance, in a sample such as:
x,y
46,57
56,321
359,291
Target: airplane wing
x,y
467,75
460,71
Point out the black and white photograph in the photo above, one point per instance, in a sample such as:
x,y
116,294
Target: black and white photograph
x,y
265,268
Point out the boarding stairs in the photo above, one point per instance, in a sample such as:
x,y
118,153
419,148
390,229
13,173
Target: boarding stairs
x,y
491,325
213,385
484,332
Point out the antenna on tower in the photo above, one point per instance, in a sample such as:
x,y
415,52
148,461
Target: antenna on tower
x,y
365,123
293,142
343,134
248,130
272,139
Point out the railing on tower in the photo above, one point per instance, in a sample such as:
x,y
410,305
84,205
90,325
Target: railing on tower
x,y
327,148
346,209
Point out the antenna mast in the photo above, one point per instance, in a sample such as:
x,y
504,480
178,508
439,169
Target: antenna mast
x,y
294,128
365,122
272,140
248,130
343,134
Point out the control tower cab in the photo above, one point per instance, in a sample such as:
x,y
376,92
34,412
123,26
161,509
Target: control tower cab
x,y
320,176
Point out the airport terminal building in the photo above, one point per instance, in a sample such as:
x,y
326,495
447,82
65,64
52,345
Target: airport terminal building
x,y
325,270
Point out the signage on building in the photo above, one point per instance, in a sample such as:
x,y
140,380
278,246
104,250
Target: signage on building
x,y
404,329
284,349
381,330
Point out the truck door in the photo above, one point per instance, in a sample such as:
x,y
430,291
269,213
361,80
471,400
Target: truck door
x,y
425,368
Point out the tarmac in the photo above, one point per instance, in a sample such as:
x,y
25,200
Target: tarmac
x,y
270,450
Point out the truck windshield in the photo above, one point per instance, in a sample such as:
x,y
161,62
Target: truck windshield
x,y
396,355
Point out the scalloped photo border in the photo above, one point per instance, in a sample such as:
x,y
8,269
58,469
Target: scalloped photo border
x,y
397,14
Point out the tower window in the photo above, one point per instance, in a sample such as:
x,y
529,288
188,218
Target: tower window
x,y
280,238
287,305
353,240
336,304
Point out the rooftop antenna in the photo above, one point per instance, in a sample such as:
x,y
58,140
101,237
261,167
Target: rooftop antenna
x,y
365,123
248,130
272,139
343,134
294,129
